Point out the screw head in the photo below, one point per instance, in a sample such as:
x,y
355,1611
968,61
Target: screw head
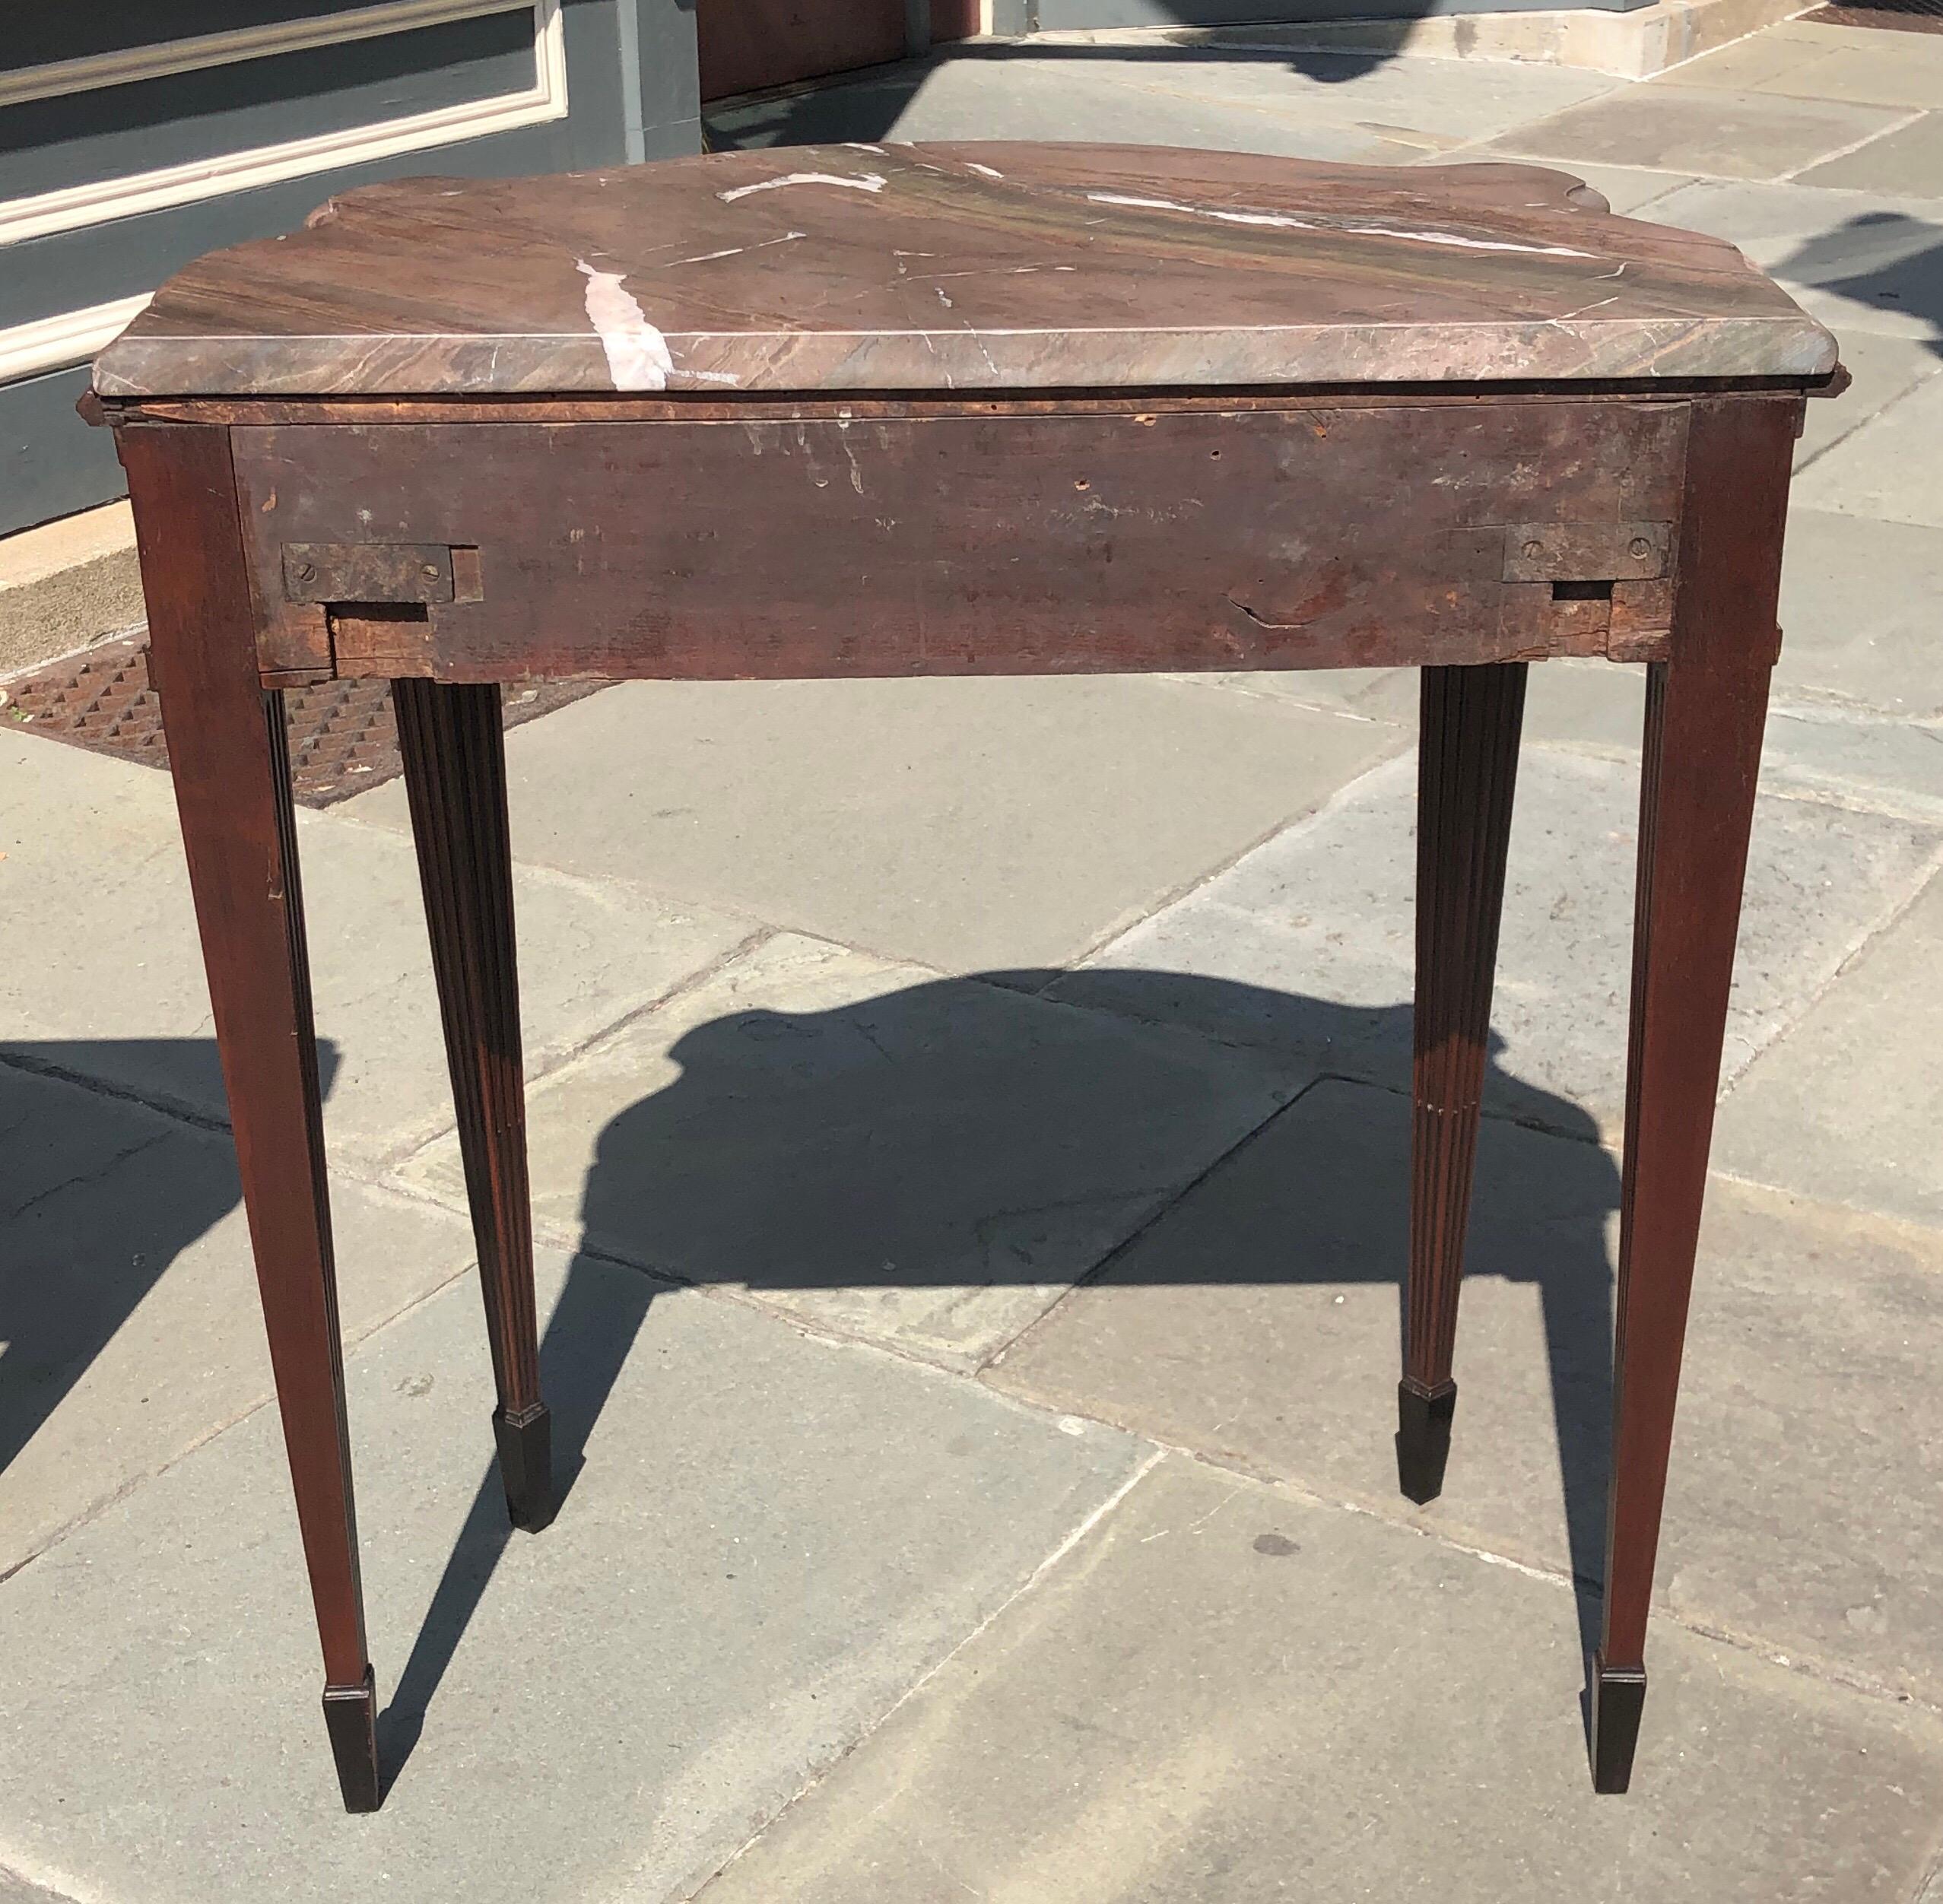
x,y
305,571
1534,550
1640,547
429,571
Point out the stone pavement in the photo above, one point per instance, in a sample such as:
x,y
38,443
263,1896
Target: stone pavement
x,y
968,1153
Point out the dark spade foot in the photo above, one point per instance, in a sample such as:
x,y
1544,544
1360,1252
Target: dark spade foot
x,y
1422,1440
1619,1696
351,1715
525,1464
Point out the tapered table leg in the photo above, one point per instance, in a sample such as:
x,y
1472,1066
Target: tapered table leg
x,y
1467,768
230,764
1705,710
454,773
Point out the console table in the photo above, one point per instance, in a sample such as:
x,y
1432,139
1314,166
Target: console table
x,y
947,410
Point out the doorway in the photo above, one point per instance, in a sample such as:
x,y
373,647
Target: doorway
x,y
744,45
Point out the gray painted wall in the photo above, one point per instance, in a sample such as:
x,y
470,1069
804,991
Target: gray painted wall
x,y
51,463
630,73
83,138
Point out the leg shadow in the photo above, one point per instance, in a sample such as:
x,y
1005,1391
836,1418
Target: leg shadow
x,y
588,1339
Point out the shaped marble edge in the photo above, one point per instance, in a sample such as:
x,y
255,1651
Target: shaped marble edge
x,y
962,268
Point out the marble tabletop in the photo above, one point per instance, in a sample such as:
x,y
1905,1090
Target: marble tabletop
x,y
969,267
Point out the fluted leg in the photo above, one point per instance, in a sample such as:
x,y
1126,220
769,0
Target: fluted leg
x,y
1467,768
454,773
1706,709
229,760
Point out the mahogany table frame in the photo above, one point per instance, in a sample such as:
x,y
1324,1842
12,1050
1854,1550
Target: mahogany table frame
x,y
259,573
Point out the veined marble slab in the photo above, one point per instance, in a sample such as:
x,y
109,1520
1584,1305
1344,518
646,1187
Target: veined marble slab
x,y
961,267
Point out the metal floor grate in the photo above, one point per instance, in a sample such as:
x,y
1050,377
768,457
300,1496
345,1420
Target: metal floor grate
x,y
342,737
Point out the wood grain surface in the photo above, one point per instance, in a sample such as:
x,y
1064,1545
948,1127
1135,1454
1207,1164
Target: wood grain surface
x,y
961,267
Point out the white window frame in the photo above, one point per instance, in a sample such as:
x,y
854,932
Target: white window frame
x,y
71,336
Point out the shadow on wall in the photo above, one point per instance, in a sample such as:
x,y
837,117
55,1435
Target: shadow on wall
x,y
1888,263
917,1142
95,1204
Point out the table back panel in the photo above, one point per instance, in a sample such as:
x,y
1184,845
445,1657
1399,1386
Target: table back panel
x,y
772,543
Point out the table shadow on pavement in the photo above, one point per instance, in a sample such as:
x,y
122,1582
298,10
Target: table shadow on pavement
x,y
1885,262
704,1179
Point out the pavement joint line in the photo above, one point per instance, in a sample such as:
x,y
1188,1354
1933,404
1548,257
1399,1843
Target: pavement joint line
x,y
176,1111
1865,935
1862,422
351,1342
436,1126
339,813
1073,1539
565,1236
1130,920
1807,1666
1922,1240
1917,1238
90,1173
810,1328
1840,713
1839,799
761,929
1846,800
1237,1042
1826,1672
1906,1233
1790,176
1306,817
566,1239
1161,1212
401,1149
1834,700
1616,752
1666,190
1231,684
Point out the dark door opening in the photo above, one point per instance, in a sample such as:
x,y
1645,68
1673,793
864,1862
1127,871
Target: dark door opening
x,y
746,44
